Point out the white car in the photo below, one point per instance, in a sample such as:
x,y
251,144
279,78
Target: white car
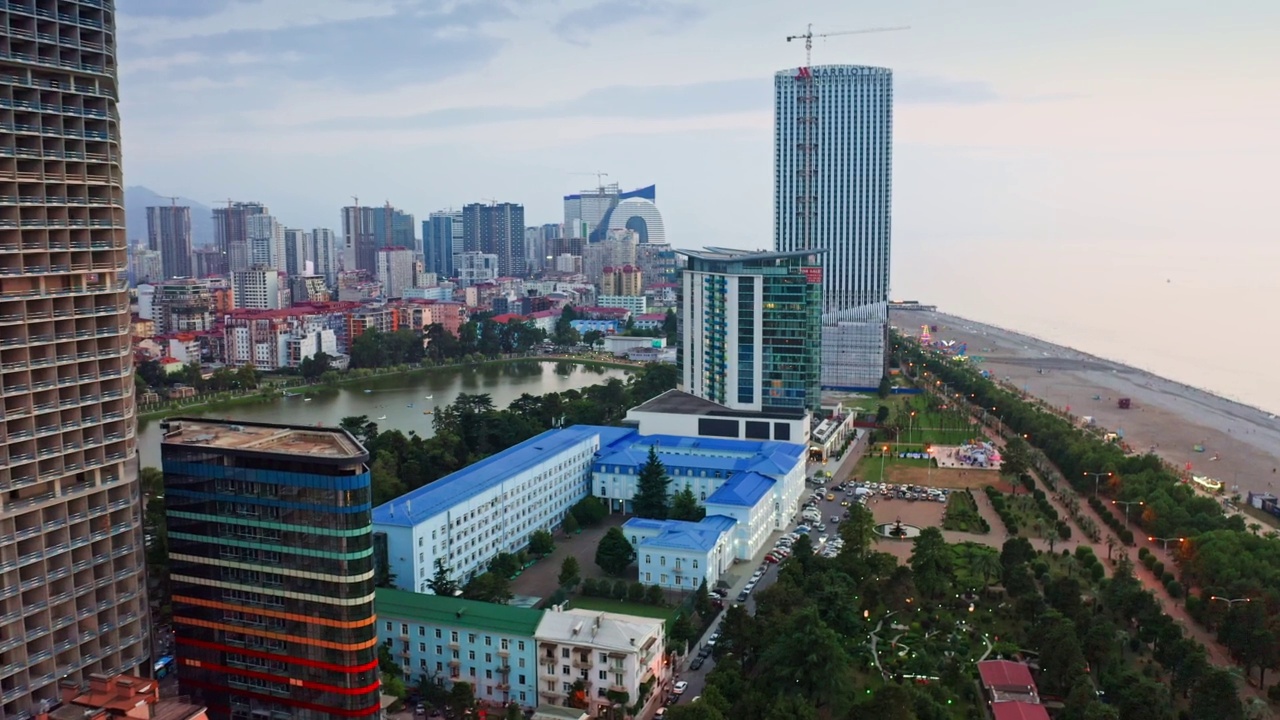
x,y
680,687
822,540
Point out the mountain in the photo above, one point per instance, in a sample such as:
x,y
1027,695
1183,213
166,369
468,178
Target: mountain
x,y
138,198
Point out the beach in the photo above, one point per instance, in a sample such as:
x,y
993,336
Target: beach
x,y
1241,444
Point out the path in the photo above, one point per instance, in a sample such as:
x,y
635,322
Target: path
x,y
1217,653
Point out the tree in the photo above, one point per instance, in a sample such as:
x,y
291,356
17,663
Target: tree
x,y
808,657
615,554
653,595
682,633
882,414
386,662
694,711
313,366
684,506
858,530
1214,697
651,499
570,523
987,565
541,543
885,388
462,698
385,478
931,563
669,327
514,712
490,587
589,511
441,583
569,572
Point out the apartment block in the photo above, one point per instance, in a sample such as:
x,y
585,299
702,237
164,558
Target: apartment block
x,y
72,579
183,306
611,655
271,567
169,233
275,339
448,639
259,288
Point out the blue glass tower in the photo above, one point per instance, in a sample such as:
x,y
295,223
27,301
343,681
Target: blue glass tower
x,y
833,165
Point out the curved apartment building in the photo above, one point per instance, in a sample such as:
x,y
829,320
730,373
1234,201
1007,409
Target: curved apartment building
x,y
72,581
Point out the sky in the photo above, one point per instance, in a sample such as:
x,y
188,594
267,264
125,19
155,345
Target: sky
x,y
1096,153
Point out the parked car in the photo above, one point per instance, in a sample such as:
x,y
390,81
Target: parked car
x,y
697,663
680,687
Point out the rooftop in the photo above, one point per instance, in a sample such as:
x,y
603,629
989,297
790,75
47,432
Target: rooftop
x,y
456,612
609,631
1019,711
720,254
262,437
431,500
744,489
1005,674
726,455
679,402
701,536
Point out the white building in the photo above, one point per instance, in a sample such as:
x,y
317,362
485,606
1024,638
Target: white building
x,y
266,242
475,267
259,288
607,652
679,413
681,555
833,123
637,304
706,465
491,507
395,270
322,252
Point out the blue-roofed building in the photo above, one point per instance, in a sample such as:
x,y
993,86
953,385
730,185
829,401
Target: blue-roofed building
x,y
748,498
704,465
680,555
491,507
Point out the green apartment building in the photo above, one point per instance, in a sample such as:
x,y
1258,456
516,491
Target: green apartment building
x,y
751,329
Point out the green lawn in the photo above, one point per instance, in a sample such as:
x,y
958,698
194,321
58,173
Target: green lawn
x,y
937,427
628,608
869,469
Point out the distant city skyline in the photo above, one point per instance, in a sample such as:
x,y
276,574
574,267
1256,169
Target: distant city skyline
x,y
1029,139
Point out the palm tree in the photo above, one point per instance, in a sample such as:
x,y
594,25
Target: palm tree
x,y
987,565
1254,528
1111,544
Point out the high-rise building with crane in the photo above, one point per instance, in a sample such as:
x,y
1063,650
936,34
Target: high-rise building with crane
x,y
231,232
498,229
73,591
169,233
832,192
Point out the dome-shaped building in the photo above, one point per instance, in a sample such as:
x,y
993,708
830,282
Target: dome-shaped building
x,y
634,213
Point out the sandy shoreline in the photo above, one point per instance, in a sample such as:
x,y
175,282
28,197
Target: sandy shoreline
x,y
1169,416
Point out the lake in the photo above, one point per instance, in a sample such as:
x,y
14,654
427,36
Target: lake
x,y
401,399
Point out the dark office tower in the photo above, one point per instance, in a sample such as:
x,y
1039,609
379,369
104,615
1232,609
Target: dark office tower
x,y
366,230
441,233
169,231
497,229
73,596
271,570
295,251
231,232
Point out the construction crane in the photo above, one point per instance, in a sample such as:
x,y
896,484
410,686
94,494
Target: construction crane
x,y
173,199
599,176
809,35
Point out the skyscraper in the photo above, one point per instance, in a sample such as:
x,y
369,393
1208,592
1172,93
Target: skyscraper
x,y
322,252
266,242
587,214
832,189
496,229
271,566
365,230
73,598
441,240
295,251
750,324
231,232
169,231
395,270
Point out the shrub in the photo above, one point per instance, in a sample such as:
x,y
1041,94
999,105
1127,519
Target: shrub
x,y
588,587
635,592
1175,591
1143,552
619,589
1064,530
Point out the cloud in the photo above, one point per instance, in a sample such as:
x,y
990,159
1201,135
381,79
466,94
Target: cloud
x,y
577,26
185,9
373,44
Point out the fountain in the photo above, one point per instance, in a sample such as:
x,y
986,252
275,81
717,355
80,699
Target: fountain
x,y
898,530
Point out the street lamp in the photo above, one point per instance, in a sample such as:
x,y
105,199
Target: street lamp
x,y
1230,601
1166,541
884,450
1127,504
1096,477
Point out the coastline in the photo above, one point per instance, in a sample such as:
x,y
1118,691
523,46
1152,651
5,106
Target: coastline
x,y
1240,443
258,396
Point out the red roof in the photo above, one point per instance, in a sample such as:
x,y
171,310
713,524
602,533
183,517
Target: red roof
x,y
504,319
1019,711
1006,675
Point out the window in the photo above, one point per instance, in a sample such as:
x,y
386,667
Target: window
x,y
453,636
388,626
564,652
471,654
488,657
662,560
520,645
438,634
420,541
648,577
422,647
439,667
488,640
422,631
695,564
503,643
604,658
564,669
439,650
522,683
488,674
404,628
648,558
604,675
471,638
422,663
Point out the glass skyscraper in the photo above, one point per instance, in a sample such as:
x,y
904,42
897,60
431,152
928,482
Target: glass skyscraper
x,y
833,153
271,568
73,598
750,328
